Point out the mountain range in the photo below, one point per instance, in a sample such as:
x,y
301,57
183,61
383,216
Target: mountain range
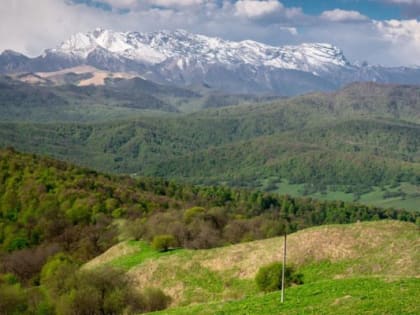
x,y
185,59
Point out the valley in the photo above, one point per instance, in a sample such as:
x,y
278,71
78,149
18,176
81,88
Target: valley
x,y
162,171
360,143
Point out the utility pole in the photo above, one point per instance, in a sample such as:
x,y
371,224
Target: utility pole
x,y
283,269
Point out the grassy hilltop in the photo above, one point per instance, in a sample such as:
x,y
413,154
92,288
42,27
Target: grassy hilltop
x,y
362,267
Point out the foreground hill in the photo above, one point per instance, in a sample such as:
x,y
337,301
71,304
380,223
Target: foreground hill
x,y
359,143
343,296
357,264
55,216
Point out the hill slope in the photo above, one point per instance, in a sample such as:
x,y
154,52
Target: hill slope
x,y
362,139
74,97
387,250
46,201
348,296
48,207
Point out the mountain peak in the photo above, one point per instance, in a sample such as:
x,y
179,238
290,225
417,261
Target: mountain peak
x,y
183,58
12,53
157,47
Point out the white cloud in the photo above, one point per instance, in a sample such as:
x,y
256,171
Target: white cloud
x,y
291,30
404,38
397,31
177,3
142,4
256,9
338,15
29,26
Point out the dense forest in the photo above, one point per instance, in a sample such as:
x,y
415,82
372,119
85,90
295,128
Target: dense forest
x,y
358,139
44,202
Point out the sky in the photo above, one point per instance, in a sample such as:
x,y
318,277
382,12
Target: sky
x,y
383,32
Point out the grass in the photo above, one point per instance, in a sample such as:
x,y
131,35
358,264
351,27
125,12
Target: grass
x,y
143,251
128,254
411,203
387,249
346,296
376,197
367,261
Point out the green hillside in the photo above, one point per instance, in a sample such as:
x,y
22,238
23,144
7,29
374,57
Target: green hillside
x,y
349,296
358,141
321,254
48,201
54,217
347,269
117,99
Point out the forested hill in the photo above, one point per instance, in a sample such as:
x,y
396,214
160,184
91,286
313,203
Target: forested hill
x,y
364,139
48,206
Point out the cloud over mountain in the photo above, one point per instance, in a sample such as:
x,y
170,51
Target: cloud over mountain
x,y
338,15
45,23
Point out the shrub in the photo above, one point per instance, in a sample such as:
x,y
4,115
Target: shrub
x,y
268,277
192,213
100,291
155,299
12,299
162,243
26,263
137,228
56,273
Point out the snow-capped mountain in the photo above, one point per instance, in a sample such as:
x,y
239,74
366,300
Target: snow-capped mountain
x,y
158,47
183,58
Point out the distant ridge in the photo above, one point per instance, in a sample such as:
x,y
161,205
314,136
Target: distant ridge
x,y
183,58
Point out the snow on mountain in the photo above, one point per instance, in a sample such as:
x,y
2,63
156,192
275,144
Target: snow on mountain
x,y
184,59
157,47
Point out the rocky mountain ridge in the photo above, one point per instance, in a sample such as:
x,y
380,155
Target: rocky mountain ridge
x,y
184,59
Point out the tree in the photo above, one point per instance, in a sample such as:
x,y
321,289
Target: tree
x,y
192,213
101,291
268,277
56,273
163,242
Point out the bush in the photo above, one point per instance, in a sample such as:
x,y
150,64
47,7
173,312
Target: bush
x,y
155,299
137,228
192,213
12,299
56,273
268,277
162,243
101,291
26,263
